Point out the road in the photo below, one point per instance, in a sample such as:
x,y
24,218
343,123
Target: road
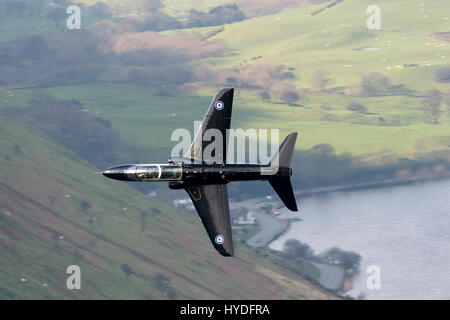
x,y
271,227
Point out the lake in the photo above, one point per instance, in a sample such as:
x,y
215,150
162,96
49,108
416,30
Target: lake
x,y
404,230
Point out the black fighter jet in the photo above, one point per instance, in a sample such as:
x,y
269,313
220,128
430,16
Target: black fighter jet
x,y
206,182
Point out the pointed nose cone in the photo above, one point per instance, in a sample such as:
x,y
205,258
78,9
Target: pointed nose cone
x,y
123,173
111,173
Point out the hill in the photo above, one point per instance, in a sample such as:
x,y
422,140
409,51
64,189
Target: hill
x,y
275,54
55,212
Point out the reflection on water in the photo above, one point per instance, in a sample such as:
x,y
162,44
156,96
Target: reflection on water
x,y
404,230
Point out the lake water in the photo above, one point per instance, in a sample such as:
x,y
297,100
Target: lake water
x,y
403,230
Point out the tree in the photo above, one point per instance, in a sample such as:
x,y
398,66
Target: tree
x,y
347,259
85,205
375,84
323,148
431,106
298,249
126,269
290,97
216,16
320,80
356,107
34,47
160,21
443,74
264,95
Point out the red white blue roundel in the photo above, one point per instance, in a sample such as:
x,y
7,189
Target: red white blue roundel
x,y
220,105
219,239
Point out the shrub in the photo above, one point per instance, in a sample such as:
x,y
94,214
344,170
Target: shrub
x,y
431,106
216,16
356,107
443,74
290,96
375,84
298,249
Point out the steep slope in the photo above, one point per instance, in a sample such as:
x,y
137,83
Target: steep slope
x,y
55,212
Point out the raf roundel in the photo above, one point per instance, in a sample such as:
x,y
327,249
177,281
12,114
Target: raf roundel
x,y
220,105
219,239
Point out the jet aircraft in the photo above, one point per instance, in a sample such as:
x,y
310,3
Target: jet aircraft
x,y
206,182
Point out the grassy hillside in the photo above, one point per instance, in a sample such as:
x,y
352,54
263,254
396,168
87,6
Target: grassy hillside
x,y
55,212
334,38
337,41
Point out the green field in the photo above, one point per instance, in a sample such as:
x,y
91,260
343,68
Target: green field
x,y
333,41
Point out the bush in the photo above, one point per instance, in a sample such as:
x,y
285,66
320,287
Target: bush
x,y
290,96
443,75
375,84
264,95
323,148
298,249
216,16
159,22
356,107
126,269
347,259
431,106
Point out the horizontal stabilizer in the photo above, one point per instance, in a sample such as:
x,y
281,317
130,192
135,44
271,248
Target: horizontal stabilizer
x,y
283,187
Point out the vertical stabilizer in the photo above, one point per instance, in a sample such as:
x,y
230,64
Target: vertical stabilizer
x,y
282,184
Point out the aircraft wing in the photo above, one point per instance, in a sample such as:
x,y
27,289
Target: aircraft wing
x,y
217,117
211,202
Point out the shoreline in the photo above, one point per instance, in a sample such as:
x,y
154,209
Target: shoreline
x,y
256,203
347,281
370,185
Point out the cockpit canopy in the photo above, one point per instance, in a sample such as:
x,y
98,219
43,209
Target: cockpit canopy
x,y
159,172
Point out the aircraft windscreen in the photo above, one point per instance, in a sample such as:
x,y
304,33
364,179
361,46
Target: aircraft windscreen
x,y
144,173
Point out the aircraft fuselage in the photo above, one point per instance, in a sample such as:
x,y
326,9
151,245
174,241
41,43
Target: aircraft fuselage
x,y
181,175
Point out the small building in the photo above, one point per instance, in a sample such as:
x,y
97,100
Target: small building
x,y
244,219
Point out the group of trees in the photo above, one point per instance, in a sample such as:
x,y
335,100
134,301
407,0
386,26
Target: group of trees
x,y
216,16
431,106
375,84
104,52
162,283
300,250
156,20
443,75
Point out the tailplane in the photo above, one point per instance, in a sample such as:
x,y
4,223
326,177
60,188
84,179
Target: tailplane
x,y
282,184
283,187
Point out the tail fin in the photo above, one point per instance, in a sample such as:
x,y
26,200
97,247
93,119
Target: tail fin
x,y
282,184
284,155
